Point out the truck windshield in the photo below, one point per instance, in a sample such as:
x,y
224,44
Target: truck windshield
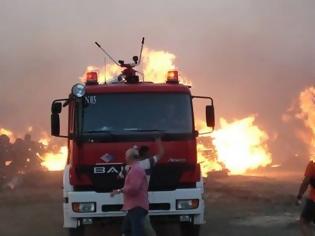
x,y
125,112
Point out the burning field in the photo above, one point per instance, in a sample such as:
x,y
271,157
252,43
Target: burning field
x,y
255,58
238,149
21,156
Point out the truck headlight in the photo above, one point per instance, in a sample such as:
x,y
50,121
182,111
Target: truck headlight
x,y
84,207
78,90
186,204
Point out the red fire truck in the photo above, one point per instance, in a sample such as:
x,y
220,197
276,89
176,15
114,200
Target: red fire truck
x,y
104,120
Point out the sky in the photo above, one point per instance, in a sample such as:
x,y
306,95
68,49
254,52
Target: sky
x,y
251,56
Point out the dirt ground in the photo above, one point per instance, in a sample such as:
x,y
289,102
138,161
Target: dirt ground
x,y
235,205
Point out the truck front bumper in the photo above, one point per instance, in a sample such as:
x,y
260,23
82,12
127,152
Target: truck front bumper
x,y
164,203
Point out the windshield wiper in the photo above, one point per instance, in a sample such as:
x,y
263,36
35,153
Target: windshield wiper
x,y
109,132
145,130
98,132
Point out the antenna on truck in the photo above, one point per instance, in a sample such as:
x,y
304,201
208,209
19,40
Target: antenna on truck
x,y
106,53
140,55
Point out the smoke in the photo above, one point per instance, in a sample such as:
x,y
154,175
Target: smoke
x,y
252,57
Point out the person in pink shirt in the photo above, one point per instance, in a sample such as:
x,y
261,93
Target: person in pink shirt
x,y
135,193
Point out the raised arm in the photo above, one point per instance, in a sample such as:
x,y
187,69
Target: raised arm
x,y
160,147
303,187
306,181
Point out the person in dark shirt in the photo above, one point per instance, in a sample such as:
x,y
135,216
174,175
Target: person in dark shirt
x,y
148,162
308,212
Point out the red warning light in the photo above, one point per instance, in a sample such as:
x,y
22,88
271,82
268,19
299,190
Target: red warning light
x,y
91,78
172,77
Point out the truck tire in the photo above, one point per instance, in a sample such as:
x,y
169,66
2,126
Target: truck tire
x,y
189,229
76,231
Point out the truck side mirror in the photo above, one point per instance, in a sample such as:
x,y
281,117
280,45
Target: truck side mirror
x,y
210,117
56,108
55,124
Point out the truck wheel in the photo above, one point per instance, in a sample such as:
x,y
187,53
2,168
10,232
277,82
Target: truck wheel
x,y
189,229
76,231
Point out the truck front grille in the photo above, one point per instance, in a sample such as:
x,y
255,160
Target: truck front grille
x,y
152,206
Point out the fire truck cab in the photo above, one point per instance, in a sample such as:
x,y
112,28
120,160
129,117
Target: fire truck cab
x,y
104,120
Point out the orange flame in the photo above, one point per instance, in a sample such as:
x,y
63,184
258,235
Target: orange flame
x,y
157,64
240,146
55,161
307,114
207,161
8,133
51,160
44,139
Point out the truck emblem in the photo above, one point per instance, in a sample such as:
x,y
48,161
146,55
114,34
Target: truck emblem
x,y
90,100
99,170
106,170
113,170
107,157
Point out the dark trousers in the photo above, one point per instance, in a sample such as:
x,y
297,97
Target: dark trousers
x,y
308,213
133,223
